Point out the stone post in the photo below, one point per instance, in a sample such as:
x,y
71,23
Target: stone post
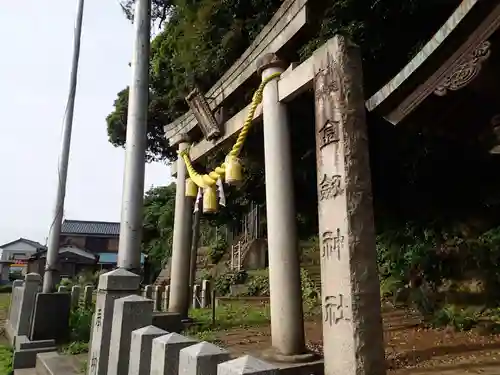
x,y
166,297
148,291
131,313
205,294
23,302
87,295
181,248
140,349
196,297
75,296
157,297
201,359
165,353
247,365
352,323
112,285
62,289
287,320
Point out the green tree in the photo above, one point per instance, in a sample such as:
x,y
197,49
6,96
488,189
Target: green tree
x,y
159,208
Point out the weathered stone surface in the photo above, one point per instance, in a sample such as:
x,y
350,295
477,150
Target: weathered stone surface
x,y
23,301
205,294
75,295
130,313
157,297
352,324
201,359
119,279
140,349
246,365
170,322
51,317
121,283
165,353
87,295
287,323
166,298
196,297
148,291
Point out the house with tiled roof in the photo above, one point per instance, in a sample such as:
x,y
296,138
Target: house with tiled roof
x,y
18,252
83,245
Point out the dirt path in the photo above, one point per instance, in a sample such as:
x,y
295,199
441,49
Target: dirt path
x,y
410,349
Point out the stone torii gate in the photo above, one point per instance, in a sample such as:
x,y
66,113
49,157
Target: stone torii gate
x,y
352,324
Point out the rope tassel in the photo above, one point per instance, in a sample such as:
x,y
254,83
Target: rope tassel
x,y
209,180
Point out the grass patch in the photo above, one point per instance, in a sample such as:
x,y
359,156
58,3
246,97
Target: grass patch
x,y
6,360
226,317
4,304
75,347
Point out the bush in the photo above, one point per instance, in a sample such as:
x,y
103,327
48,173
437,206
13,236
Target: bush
x,y
459,318
80,323
223,282
258,286
217,250
6,360
310,293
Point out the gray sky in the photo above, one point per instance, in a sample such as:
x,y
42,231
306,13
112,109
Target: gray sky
x,y
34,76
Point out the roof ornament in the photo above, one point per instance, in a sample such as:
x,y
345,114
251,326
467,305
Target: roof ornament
x,y
465,71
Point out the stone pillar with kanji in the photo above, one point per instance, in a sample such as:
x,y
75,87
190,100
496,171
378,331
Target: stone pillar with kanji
x,y
352,324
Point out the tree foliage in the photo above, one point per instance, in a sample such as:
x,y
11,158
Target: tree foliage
x,y
159,208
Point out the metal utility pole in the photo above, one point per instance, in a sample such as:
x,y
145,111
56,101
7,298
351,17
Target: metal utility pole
x,y
129,248
55,227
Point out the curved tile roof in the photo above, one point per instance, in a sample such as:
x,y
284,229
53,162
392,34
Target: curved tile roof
x,y
105,228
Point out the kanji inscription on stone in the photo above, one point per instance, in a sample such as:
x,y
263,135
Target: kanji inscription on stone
x,y
98,318
93,363
330,187
335,309
332,244
329,133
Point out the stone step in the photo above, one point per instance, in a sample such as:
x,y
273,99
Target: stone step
x,y
25,371
54,363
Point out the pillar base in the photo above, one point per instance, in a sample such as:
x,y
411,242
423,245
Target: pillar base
x,y
273,355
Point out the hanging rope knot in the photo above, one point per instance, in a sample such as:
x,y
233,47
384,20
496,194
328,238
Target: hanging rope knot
x,y
208,180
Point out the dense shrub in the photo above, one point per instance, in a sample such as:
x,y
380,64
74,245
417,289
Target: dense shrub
x,y
223,282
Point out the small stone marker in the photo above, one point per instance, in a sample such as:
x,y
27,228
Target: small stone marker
x,y
75,296
112,285
50,318
247,365
158,293
62,289
148,291
205,294
87,295
165,353
130,313
201,359
23,300
196,297
166,298
140,349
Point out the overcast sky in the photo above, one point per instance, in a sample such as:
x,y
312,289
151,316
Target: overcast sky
x,y
36,41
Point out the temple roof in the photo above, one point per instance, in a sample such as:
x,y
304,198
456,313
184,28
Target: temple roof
x,y
450,61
